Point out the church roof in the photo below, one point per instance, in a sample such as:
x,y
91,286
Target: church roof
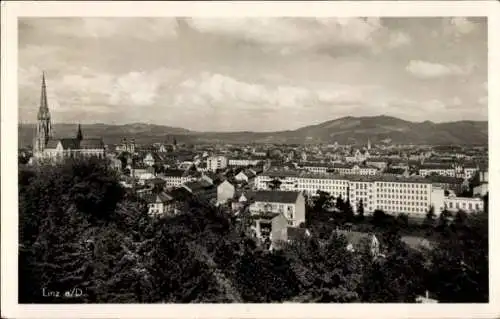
x,y
91,143
70,143
74,143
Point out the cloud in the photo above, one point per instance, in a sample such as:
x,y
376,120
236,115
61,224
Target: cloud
x,y
149,29
462,25
215,89
292,35
253,74
398,39
423,69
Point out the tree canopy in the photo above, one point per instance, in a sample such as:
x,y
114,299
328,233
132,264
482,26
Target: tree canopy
x,y
79,229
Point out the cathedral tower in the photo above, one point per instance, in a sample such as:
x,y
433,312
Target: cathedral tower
x,y
43,127
79,134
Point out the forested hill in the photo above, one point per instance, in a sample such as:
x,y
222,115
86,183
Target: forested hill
x,y
346,130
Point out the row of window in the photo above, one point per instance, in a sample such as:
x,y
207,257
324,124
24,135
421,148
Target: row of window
x,y
400,185
402,209
464,205
401,191
395,202
403,197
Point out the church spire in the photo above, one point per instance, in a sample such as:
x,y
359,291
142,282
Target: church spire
x,y
79,134
44,127
43,112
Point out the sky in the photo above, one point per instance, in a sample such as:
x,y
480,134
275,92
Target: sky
x,y
252,74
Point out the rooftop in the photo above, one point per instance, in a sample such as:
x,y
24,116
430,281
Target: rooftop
x,y
285,197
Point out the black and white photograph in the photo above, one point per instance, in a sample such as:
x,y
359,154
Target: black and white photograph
x,y
251,160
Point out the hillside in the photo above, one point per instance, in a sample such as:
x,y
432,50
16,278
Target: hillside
x,y
352,130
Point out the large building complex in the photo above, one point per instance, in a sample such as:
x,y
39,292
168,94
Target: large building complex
x,y
410,195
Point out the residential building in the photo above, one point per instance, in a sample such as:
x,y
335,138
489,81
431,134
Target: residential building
x,y
225,191
291,204
202,190
314,167
246,176
480,190
160,204
358,242
466,204
243,162
381,164
354,169
175,177
215,163
444,169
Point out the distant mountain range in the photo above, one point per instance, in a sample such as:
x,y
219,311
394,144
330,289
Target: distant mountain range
x,y
346,130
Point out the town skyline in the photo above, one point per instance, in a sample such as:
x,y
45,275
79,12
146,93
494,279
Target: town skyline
x,y
259,75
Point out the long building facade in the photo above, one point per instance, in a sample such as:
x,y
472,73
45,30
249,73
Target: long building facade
x,y
47,147
409,195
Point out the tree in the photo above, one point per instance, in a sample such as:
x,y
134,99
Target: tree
x,y
402,221
379,218
72,233
339,203
347,210
275,184
361,210
429,220
397,278
461,272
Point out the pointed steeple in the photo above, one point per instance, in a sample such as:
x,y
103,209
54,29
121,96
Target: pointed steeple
x,y
79,134
43,112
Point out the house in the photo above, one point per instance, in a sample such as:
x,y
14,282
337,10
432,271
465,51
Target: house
x,y
160,204
314,167
202,167
215,163
354,169
443,169
481,189
281,233
243,162
202,190
246,176
156,184
397,171
380,163
466,204
448,183
289,203
151,159
358,241
115,163
175,177
225,191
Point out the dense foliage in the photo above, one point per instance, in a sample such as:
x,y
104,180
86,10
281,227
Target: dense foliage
x,y
79,229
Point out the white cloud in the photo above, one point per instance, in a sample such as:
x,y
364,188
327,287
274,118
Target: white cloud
x,y
92,27
296,34
398,39
462,25
217,89
423,69
456,101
